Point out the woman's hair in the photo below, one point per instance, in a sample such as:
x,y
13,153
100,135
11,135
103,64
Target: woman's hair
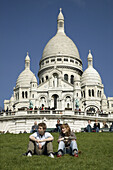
x,y
68,129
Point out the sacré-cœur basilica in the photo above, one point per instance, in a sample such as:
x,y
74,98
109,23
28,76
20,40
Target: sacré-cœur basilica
x,y
64,91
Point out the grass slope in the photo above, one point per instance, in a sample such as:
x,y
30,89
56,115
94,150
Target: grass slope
x,y
97,153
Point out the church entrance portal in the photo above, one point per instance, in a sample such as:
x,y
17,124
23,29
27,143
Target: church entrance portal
x,y
55,97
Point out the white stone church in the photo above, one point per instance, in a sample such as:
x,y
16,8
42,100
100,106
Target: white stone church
x,y
64,89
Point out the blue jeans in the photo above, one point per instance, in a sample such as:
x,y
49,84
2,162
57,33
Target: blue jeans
x,y
72,147
97,129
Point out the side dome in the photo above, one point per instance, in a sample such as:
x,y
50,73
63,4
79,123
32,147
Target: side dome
x,y
25,78
90,76
60,43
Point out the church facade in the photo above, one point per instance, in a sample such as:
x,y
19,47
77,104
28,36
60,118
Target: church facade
x,y
63,85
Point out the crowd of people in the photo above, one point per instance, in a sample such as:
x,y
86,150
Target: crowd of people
x,y
96,127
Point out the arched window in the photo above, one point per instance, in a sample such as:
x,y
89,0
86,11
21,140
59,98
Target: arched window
x,y
84,94
81,94
89,91
42,79
68,102
72,79
98,93
26,94
23,94
46,77
16,96
66,77
92,92
42,101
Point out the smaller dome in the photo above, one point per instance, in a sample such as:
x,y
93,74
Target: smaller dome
x,y
91,77
25,78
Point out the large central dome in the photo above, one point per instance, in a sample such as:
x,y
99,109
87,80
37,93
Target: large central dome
x,y
60,43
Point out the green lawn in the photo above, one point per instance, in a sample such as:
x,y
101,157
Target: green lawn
x,y
97,153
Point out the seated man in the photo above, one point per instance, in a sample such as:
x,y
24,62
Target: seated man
x,y
34,127
58,126
88,128
40,142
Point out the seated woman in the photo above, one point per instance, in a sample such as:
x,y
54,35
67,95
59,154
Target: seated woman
x,y
67,142
105,125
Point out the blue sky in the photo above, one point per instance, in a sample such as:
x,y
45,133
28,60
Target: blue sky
x,y
27,25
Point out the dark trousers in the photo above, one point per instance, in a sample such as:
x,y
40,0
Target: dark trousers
x,y
46,149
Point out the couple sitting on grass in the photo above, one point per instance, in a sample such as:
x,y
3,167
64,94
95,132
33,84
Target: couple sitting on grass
x,y
41,142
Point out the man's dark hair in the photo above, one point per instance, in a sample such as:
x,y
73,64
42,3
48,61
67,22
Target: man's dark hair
x,y
42,125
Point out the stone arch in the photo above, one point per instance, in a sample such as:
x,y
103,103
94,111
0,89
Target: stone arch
x,y
91,109
68,101
55,100
42,100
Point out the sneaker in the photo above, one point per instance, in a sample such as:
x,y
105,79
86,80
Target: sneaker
x,y
75,153
59,154
51,155
29,154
